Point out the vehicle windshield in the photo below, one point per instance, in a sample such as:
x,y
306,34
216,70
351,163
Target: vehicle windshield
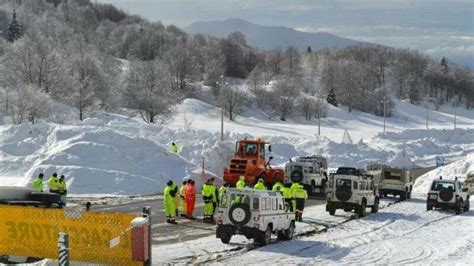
x,y
297,168
392,176
439,185
347,171
239,198
343,183
250,149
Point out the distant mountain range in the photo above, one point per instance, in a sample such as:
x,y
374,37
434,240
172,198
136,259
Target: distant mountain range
x,y
270,37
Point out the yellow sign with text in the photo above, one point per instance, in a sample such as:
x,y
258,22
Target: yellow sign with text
x,y
93,237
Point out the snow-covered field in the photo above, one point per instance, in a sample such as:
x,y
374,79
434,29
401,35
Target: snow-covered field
x,y
118,154
401,233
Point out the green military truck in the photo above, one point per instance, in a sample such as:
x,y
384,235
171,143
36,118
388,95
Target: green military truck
x,y
391,180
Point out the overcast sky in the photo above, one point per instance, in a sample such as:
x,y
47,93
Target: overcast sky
x,y
436,27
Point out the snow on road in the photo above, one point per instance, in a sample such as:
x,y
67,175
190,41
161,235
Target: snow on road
x,y
210,249
403,233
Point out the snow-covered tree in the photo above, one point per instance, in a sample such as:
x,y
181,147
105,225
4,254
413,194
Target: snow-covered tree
x,y
148,89
180,63
312,106
234,99
28,103
284,96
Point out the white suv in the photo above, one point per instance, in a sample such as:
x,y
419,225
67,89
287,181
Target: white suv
x,y
255,214
310,171
448,194
351,190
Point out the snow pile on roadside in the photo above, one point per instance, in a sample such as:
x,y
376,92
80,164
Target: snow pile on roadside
x,y
95,159
458,169
403,233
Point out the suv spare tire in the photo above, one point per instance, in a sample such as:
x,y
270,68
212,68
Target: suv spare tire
x,y
343,193
446,194
296,176
45,197
240,214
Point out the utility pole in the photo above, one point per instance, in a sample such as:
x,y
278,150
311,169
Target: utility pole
x,y
455,105
384,111
221,96
427,111
319,121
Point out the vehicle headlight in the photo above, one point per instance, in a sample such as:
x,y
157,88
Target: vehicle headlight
x,y
433,196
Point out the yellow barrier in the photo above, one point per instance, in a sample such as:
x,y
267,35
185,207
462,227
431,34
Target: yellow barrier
x,y
93,237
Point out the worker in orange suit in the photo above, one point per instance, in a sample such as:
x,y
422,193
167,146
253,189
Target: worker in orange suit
x,y
190,198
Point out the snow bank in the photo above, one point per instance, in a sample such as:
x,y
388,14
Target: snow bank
x,y
458,169
95,159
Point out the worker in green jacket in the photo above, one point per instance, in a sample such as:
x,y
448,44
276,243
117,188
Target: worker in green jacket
x,y
241,182
260,185
208,195
215,197
289,198
277,186
169,194
62,190
38,183
222,191
53,183
300,197
174,147
294,187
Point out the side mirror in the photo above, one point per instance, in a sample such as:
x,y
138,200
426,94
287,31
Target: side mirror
x,y
270,148
271,158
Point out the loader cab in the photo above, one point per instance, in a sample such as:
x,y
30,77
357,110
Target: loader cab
x,y
250,149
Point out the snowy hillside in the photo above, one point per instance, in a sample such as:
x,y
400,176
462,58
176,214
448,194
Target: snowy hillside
x,y
95,159
458,169
116,154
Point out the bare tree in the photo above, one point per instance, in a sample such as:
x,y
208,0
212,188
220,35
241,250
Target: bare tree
x,y
180,63
292,62
148,90
284,96
234,99
256,82
32,60
28,103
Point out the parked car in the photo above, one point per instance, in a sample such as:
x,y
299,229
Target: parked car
x,y
255,214
352,190
448,194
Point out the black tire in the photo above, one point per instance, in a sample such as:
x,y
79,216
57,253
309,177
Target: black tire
x,y
311,188
375,207
45,197
403,196
446,194
429,207
361,209
296,176
290,232
332,211
281,235
264,238
343,193
467,205
225,238
460,207
240,214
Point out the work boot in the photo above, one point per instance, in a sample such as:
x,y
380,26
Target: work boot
x,y
183,215
173,221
